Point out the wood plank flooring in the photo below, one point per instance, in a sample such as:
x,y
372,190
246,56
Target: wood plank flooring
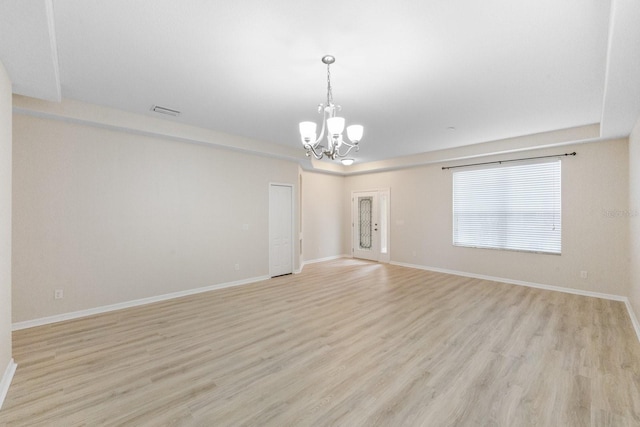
x,y
345,343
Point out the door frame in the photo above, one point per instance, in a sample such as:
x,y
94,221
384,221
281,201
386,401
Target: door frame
x,y
382,257
293,227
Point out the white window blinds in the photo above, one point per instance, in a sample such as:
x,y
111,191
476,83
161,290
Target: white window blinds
x,y
516,207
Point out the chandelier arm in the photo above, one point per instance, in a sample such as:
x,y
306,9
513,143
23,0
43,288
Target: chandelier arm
x,y
312,149
333,153
346,153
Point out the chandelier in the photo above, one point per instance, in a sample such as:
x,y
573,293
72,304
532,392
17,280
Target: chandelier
x,y
336,146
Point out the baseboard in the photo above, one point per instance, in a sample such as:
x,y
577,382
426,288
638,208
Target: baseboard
x,y
314,261
517,282
634,319
632,315
329,258
8,375
128,304
5,382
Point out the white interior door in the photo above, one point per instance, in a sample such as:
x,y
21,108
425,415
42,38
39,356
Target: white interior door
x,y
366,236
280,229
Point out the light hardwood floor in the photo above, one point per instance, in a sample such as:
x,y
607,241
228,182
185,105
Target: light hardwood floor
x,y
345,343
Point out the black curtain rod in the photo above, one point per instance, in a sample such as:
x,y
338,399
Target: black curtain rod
x,y
507,161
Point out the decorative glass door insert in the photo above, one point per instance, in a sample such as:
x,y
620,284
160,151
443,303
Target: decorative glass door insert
x,y
365,209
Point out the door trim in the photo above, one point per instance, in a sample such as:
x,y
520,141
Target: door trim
x,y
293,228
382,257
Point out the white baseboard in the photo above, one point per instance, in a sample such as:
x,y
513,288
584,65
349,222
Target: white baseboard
x,y
329,258
634,319
314,261
516,282
127,304
6,379
119,306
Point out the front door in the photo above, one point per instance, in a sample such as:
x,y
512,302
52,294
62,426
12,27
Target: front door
x,y
370,223
366,236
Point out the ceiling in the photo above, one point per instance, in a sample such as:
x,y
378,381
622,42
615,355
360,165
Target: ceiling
x,y
420,75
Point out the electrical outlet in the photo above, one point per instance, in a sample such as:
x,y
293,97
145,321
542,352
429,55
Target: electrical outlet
x,y
237,266
584,274
58,294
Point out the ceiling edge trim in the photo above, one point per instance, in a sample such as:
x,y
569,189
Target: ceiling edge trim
x,y
54,49
109,118
607,65
112,119
557,138
621,99
160,135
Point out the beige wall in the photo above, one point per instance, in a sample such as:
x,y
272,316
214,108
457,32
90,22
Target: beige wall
x,y
5,220
634,217
111,217
595,233
322,216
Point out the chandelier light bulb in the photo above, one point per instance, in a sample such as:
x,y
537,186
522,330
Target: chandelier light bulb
x,y
354,132
335,125
308,132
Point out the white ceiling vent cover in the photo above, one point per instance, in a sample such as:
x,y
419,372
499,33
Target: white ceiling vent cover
x,y
164,110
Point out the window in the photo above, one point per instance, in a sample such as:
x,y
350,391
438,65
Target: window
x,y
514,207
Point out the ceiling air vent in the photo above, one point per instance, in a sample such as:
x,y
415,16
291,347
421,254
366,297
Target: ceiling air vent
x,y
164,110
